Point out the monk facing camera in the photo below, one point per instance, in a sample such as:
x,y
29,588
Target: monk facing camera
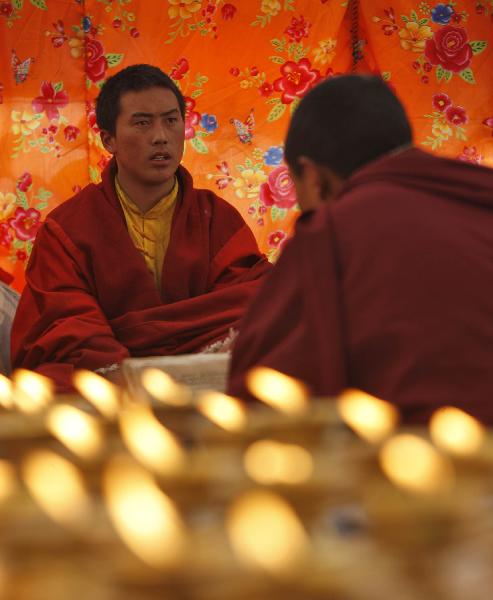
x,y
143,263
387,284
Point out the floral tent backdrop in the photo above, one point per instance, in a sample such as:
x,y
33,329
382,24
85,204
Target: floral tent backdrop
x,y
243,67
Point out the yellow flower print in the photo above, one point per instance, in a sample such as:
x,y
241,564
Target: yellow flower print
x,y
248,184
23,124
183,8
7,205
414,36
76,45
270,7
245,84
326,51
441,129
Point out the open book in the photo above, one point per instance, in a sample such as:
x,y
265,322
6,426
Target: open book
x,y
197,371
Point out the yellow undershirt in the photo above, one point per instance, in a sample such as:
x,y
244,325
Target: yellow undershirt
x,y
150,231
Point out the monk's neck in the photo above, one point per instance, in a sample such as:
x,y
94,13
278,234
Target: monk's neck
x,y
145,197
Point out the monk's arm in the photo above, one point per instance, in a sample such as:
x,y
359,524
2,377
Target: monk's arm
x,y
236,257
293,325
59,325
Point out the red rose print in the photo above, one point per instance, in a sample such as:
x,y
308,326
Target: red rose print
x,y
192,118
266,89
298,29
456,115
449,48
441,102
96,63
279,189
50,101
6,9
470,154
228,11
91,117
24,182
276,238
25,223
297,79
21,255
71,132
180,68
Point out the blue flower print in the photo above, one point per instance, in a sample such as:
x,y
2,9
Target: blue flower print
x,y
209,123
441,14
273,156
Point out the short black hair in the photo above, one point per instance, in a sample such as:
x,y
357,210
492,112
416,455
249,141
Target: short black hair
x,y
131,79
345,122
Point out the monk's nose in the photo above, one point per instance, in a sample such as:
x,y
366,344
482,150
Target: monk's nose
x,y
159,134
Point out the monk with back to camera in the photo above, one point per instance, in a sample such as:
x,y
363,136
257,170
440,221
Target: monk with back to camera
x,y
387,285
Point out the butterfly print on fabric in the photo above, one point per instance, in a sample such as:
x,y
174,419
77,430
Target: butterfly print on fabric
x,y
20,68
244,130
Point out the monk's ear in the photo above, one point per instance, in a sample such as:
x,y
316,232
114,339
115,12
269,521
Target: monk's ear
x,y
108,141
322,181
309,171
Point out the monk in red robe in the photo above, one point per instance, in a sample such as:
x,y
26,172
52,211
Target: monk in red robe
x,y
388,285
143,263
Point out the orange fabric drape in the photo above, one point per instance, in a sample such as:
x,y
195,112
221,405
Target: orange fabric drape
x,y
243,66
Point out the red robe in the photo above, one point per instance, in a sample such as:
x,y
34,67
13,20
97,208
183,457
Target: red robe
x,y
5,277
90,301
389,289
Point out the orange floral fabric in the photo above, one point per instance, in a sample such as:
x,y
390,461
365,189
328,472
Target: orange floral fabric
x,y
243,67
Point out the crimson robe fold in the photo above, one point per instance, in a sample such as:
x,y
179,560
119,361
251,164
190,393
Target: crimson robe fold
x,y
90,301
388,289
5,277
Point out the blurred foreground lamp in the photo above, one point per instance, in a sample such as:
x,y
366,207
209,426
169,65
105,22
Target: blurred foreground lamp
x,y
265,533
150,442
371,418
284,393
57,486
225,411
79,432
100,392
271,462
164,388
455,431
8,481
144,517
32,391
6,392
414,464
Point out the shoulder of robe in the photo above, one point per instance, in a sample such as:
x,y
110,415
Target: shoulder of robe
x,y
84,205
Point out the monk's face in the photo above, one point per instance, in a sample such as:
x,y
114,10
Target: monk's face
x,y
149,139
